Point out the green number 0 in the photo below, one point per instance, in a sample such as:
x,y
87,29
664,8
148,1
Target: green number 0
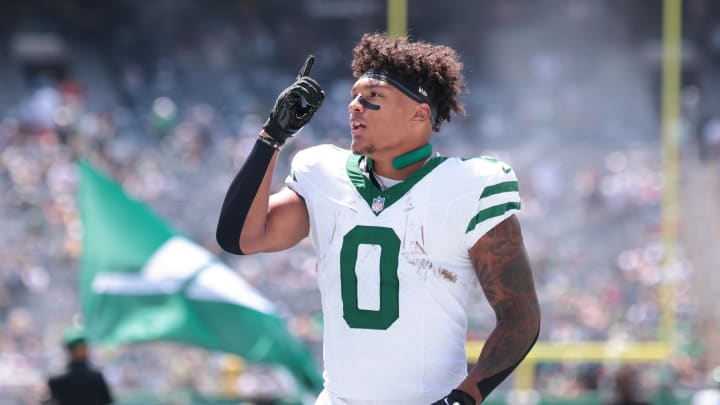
x,y
389,286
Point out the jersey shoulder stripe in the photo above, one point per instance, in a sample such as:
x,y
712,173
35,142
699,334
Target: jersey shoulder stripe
x,y
491,212
499,197
499,188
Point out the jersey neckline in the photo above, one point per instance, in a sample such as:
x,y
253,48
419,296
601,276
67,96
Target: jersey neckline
x,y
378,200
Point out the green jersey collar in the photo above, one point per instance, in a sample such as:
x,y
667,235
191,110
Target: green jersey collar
x,y
379,200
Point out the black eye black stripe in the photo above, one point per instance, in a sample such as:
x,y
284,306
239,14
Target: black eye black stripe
x,y
366,103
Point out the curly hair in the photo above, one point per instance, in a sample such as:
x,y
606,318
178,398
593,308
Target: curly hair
x,y
436,67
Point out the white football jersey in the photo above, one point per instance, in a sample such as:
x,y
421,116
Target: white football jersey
x,y
393,267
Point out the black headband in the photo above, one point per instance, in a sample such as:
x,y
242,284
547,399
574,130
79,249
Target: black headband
x,y
415,91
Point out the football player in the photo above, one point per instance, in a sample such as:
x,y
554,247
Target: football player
x,y
403,235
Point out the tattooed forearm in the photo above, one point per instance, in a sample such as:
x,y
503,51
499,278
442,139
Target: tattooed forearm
x,y
503,269
512,297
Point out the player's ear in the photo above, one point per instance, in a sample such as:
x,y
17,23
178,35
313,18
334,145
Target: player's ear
x,y
422,112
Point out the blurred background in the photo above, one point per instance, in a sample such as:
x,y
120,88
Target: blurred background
x,y
168,97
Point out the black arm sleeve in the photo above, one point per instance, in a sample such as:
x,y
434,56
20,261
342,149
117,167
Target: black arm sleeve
x,y
240,196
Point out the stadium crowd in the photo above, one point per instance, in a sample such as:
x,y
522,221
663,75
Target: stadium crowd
x,y
170,110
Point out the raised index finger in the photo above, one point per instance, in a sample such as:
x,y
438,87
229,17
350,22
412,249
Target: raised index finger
x,y
307,66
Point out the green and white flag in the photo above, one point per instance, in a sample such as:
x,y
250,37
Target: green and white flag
x,y
142,281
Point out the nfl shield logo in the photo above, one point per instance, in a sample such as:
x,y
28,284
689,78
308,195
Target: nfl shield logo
x,y
378,203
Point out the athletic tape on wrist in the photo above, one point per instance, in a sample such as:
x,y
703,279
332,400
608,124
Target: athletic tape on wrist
x,y
270,142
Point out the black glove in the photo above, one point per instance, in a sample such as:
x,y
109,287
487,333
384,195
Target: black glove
x,y
456,397
289,114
